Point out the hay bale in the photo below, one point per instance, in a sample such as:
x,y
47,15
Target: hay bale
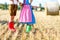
x,y
52,8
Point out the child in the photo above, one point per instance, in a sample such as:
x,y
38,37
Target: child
x,y
26,15
13,9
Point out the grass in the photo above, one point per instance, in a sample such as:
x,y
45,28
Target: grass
x,y
47,27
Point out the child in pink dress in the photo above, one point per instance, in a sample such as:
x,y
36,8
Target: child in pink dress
x,y
26,15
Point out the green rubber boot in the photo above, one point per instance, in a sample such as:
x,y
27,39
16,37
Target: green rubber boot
x,y
28,28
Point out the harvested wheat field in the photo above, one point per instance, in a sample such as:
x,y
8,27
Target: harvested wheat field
x,y
47,27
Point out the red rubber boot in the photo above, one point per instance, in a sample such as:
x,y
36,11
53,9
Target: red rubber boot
x,y
11,26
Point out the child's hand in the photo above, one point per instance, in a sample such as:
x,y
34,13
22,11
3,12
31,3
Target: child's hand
x,y
21,4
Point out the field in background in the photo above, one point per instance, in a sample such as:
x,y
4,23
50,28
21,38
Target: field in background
x,y
47,27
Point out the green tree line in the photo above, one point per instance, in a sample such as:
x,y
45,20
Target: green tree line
x,y
5,7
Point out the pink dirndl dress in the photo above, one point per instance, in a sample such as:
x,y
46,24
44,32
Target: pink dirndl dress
x,y
26,15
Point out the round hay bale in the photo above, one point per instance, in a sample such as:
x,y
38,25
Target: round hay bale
x,y
52,8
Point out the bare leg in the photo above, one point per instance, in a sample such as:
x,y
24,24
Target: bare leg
x,y
12,18
11,24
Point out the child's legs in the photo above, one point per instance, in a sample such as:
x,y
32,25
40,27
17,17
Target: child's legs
x,y
12,14
13,10
30,25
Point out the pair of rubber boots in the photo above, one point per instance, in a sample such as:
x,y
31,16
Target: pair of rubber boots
x,y
11,27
